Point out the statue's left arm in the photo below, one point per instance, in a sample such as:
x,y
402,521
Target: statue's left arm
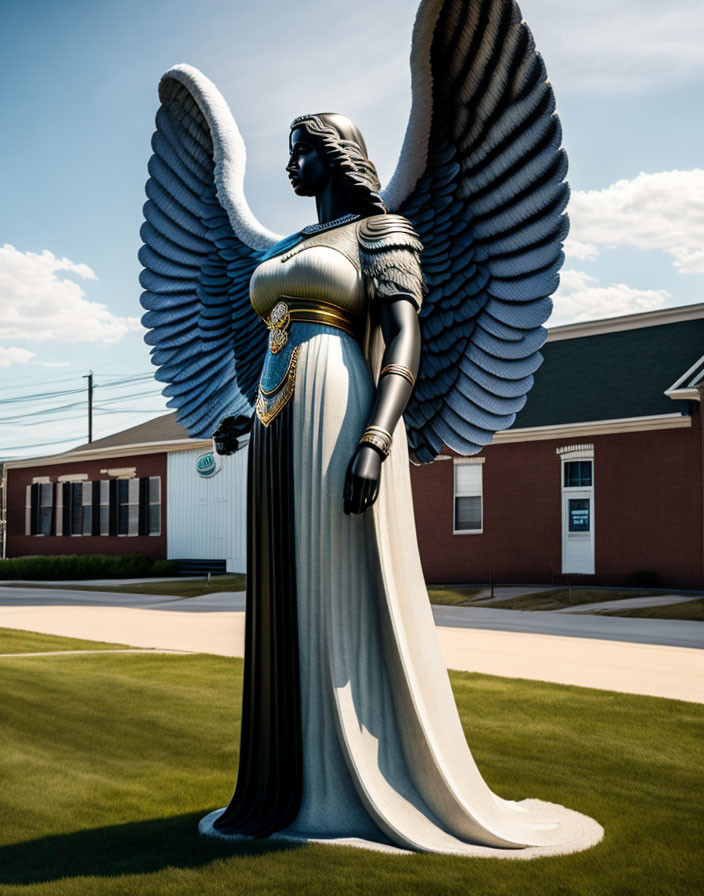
x,y
399,324
389,249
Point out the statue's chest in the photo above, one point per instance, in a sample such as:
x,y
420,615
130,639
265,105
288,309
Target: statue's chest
x,y
313,271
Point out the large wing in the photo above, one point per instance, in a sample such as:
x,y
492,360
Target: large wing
x,y
201,244
481,177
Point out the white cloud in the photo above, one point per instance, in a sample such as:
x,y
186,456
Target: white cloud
x,y
9,356
54,363
39,306
581,297
662,211
623,47
583,251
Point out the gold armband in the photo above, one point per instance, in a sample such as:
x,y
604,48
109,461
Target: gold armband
x,y
378,438
400,370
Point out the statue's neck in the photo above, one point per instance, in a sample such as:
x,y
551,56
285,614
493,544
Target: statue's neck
x,y
331,203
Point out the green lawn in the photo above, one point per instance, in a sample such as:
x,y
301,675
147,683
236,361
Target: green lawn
x,y
451,595
556,600
176,587
17,641
690,609
108,761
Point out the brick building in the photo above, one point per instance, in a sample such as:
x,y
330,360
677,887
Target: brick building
x,y
601,476
147,490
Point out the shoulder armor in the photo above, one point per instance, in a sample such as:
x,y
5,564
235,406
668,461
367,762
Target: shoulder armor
x,y
382,232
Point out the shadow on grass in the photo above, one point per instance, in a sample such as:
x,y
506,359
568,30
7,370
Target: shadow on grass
x,y
141,847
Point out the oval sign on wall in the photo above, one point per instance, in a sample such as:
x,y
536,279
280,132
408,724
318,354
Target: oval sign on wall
x,y
208,464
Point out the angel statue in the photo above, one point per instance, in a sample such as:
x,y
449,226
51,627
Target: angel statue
x,y
344,358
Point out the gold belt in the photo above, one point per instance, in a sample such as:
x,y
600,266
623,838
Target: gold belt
x,y
293,309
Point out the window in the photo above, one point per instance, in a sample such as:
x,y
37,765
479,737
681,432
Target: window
x,y
468,497
46,508
578,474
104,506
39,510
28,511
154,495
101,507
578,514
128,507
80,512
87,508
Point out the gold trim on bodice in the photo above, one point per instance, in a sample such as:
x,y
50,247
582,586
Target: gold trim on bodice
x,y
313,311
270,404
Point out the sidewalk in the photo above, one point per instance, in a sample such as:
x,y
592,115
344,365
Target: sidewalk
x,y
629,655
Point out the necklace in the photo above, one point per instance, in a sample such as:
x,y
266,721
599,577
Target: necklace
x,y
337,222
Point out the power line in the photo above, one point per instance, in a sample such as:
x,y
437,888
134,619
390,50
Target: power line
x,y
131,378
39,396
62,407
133,410
55,420
38,445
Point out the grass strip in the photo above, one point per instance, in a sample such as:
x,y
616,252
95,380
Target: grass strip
x,y
108,761
175,588
689,609
451,595
561,598
19,641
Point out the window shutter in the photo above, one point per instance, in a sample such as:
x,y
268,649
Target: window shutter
x,y
34,517
144,505
66,486
95,512
52,528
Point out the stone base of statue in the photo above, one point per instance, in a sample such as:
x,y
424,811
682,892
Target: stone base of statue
x,y
587,833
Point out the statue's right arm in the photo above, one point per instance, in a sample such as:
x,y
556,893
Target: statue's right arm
x,y
229,431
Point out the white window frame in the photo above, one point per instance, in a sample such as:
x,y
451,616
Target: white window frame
x,y
476,461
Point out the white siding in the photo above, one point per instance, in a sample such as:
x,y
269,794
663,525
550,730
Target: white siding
x,y
206,518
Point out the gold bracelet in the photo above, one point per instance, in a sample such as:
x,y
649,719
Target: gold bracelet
x,y
400,370
378,438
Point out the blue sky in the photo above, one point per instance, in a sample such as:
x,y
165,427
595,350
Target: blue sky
x,y
79,98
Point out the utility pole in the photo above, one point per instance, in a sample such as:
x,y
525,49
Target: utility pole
x,y
89,377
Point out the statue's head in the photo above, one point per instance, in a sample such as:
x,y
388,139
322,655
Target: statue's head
x,y
329,145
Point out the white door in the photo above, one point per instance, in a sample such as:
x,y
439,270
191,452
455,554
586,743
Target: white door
x,y
578,516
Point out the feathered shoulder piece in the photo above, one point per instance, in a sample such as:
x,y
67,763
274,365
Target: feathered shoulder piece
x,y
389,250
388,232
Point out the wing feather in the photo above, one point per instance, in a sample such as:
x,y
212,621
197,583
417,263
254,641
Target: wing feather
x,y
482,179
201,245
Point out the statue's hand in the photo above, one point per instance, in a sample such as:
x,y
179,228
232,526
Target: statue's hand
x,y
362,481
227,433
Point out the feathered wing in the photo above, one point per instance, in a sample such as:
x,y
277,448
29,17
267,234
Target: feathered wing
x,y
481,177
201,244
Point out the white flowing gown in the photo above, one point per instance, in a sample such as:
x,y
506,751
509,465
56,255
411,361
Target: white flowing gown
x,y
385,760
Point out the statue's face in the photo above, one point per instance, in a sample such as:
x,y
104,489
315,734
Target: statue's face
x,y
307,169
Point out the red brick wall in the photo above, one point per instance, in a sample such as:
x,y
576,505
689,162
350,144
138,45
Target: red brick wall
x,y
648,512
19,544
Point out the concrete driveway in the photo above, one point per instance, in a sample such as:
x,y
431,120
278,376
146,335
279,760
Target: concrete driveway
x,y
662,658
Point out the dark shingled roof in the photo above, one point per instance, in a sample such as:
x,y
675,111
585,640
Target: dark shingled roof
x,y
608,376
160,429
